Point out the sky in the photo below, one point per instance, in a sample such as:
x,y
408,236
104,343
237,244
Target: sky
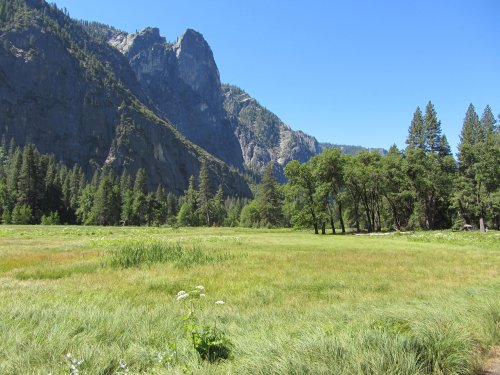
x,y
346,72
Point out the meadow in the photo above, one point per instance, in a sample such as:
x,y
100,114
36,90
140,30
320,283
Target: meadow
x,y
106,301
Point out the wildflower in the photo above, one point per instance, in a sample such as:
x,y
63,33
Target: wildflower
x,y
68,355
182,296
202,295
200,287
219,302
181,293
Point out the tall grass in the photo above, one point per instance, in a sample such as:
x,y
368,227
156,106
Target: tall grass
x,y
294,303
137,253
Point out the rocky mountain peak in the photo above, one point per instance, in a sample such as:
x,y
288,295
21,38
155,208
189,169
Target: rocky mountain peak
x,y
197,66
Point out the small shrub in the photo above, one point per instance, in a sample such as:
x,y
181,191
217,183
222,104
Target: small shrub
x,y
210,342
22,214
51,219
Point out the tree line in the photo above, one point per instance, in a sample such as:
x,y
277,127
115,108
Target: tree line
x,y
420,187
36,189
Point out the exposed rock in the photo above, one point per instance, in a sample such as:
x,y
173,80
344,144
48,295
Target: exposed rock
x,y
263,137
182,81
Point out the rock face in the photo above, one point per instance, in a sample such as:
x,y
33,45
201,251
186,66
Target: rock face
x,y
77,98
182,81
263,137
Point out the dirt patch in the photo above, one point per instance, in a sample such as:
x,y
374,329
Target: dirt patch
x,y
492,366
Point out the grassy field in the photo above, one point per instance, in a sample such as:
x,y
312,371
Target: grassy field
x,y
295,303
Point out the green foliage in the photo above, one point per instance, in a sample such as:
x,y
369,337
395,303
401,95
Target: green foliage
x,y
269,200
250,215
51,219
22,214
210,342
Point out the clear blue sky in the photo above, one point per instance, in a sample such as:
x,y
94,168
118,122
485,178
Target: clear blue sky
x,y
348,72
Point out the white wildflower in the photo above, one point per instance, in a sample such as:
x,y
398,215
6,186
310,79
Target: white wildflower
x,y
68,355
219,302
182,296
181,293
202,295
200,287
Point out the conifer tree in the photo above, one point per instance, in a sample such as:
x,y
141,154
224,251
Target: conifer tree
x,y
28,187
432,129
269,200
205,195
188,213
416,133
219,209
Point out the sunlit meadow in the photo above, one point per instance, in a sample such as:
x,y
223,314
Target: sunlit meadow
x,y
94,300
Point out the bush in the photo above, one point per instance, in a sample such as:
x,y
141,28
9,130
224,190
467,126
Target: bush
x,y
22,214
51,219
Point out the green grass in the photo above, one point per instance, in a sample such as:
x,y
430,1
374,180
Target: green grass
x,y
295,303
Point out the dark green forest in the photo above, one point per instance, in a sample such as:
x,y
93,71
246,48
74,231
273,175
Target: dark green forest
x,y
420,187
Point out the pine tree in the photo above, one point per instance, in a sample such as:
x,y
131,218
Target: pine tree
x,y
28,185
127,212
106,206
488,122
172,208
160,206
416,133
432,129
219,209
470,134
269,200
188,213
205,195
140,184
140,204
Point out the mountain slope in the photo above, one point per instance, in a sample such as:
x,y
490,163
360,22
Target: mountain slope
x,y
78,98
263,137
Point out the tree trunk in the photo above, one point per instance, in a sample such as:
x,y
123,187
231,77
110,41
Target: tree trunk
x,y
482,229
481,214
323,227
339,205
316,228
332,224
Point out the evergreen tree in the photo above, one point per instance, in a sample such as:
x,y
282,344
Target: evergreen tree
x,y
172,208
188,213
488,122
478,165
160,206
127,212
28,187
140,184
219,209
416,133
470,134
432,129
205,195
269,200
140,204
106,206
